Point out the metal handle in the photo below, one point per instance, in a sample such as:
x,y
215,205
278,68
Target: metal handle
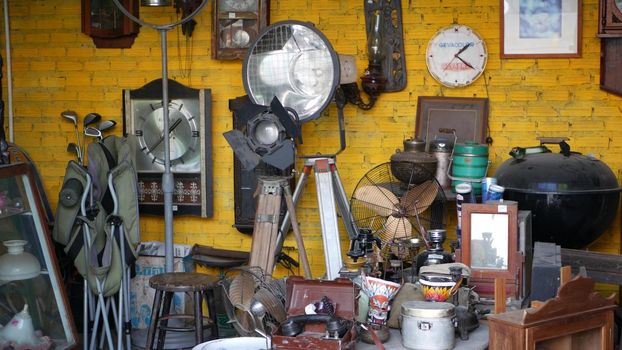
x,y
465,179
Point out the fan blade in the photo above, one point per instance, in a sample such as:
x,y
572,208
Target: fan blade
x,y
271,304
396,227
241,291
378,199
237,141
418,199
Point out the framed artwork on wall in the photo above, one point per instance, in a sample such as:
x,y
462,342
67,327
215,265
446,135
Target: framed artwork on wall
x,y
436,115
540,28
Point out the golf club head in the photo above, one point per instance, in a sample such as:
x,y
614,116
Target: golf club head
x,y
92,132
91,118
71,115
73,148
106,125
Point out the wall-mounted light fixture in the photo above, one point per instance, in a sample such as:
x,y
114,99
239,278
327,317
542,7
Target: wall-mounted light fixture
x,y
386,70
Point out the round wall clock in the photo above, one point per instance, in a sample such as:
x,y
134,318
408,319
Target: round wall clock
x,y
185,147
456,56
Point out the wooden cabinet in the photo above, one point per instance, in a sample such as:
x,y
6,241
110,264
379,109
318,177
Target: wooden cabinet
x,y
107,25
577,318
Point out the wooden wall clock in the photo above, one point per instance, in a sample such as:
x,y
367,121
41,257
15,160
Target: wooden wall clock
x,y
190,146
610,32
107,25
235,25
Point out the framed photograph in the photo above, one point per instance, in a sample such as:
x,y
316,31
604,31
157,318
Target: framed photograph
x,y
438,116
489,245
540,28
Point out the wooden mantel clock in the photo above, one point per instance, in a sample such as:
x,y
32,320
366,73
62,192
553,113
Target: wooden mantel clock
x,y
235,25
107,25
610,32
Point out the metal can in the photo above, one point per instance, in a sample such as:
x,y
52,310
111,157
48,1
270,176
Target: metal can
x,y
495,192
464,194
486,182
428,325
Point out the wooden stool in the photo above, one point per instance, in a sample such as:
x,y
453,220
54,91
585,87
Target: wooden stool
x,y
200,285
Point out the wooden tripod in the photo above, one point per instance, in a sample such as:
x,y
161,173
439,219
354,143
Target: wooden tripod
x,y
271,190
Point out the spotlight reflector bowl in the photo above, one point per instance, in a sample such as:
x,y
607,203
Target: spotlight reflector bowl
x,y
266,132
293,61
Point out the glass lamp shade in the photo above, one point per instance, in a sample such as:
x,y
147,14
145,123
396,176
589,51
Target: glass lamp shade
x,y
17,264
375,39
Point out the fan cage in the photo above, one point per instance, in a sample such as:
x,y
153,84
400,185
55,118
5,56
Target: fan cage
x,y
245,287
375,215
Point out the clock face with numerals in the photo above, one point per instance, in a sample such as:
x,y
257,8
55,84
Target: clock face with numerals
x,y
456,56
183,130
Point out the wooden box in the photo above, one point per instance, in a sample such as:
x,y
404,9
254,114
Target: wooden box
x,y
577,318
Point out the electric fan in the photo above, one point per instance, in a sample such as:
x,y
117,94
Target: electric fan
x,y
254,301
396,210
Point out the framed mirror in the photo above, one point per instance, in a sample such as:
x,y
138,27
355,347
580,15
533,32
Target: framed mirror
x,y
490,245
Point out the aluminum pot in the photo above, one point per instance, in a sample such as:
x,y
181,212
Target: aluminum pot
x,y
428,326
573,198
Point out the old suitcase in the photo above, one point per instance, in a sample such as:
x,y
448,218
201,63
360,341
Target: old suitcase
x,y
302,292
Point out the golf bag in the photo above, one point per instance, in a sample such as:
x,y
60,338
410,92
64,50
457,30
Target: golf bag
x,y
105,241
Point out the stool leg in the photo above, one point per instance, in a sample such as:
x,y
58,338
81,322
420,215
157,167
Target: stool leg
x,y
155,316
166,310
198,316
211,308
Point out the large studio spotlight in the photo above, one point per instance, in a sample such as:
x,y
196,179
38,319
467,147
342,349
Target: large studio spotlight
x,y
294,62
267,136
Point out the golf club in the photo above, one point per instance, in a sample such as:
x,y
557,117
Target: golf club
x,y
73,116
73,148
106,125
89,119
93,132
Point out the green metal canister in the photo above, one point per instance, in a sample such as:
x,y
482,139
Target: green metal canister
x,y
469,165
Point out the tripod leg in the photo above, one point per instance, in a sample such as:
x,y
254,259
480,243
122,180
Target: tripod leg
x,y
328,218
296,197
266,225
291,209
343,204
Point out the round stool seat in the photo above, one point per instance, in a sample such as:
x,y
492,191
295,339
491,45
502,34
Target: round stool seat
x,y
183,282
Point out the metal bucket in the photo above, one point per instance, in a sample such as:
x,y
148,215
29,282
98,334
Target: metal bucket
x,y
427,325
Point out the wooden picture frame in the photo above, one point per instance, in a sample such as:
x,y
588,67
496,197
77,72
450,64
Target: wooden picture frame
x,y
467,116
544,29
489,246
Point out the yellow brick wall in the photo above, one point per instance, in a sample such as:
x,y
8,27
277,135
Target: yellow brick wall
x,y
56,67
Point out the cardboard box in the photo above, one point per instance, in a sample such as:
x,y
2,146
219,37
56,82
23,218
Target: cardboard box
x,y
141,295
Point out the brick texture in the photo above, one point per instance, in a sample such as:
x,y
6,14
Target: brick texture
x,y
56,67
